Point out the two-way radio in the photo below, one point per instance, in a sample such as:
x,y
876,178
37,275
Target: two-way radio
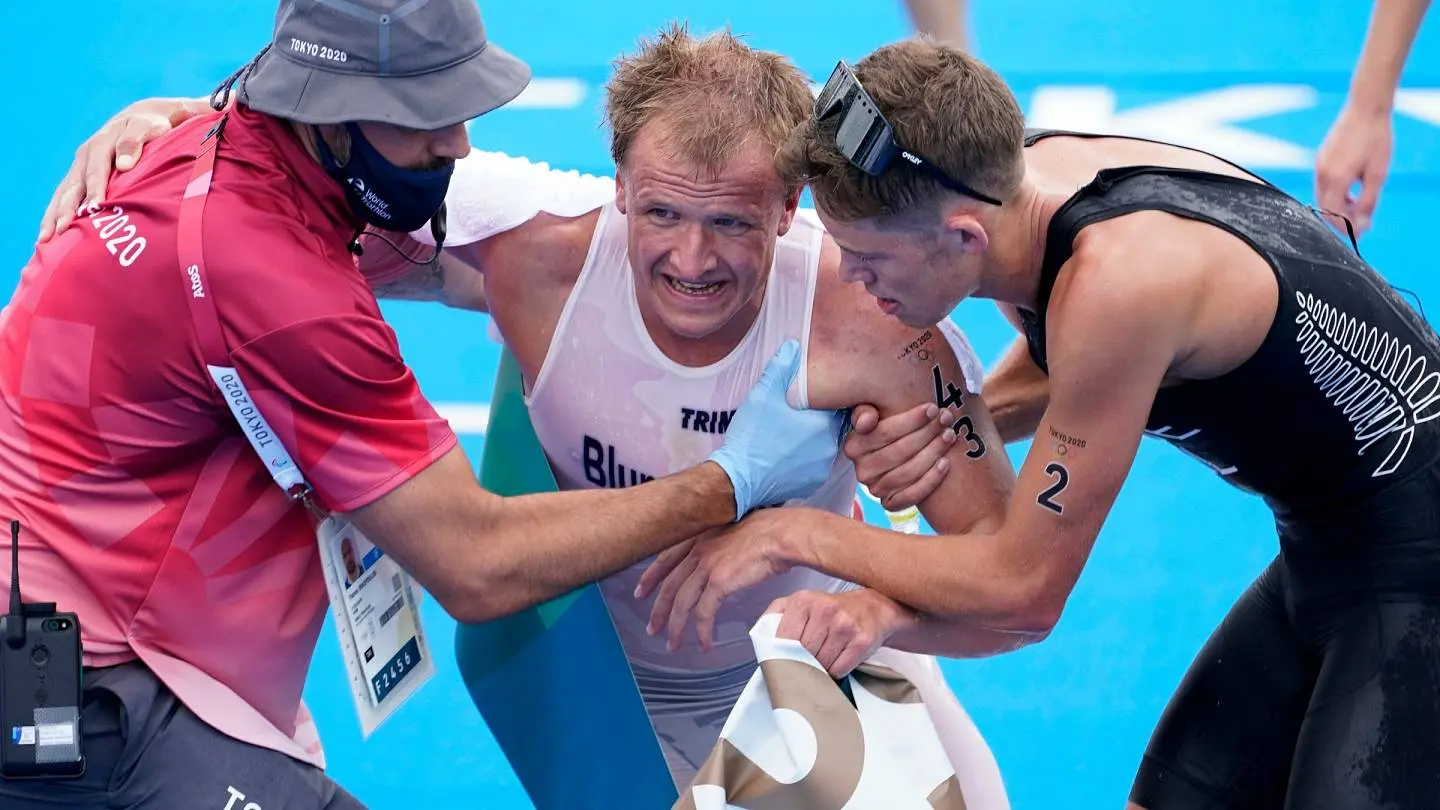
x,y
40,685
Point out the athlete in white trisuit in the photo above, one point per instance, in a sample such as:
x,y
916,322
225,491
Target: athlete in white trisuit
x,y
612,408
640,309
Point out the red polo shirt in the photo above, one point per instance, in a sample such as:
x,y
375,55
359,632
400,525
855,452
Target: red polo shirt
x,y
144,509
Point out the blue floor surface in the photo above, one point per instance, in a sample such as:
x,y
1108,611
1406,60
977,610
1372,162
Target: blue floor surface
x,y
1067,719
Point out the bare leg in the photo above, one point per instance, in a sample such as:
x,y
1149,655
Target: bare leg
x,y
945,20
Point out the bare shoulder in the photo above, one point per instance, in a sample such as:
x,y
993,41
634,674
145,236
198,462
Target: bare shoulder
x,y
529,272
858,354
1135,280
1191,275
546,250
1148,257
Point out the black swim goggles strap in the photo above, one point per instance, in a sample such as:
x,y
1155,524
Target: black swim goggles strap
x,y
867,139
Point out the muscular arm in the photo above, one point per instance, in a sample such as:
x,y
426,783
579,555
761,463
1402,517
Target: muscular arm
x,y
859,355
1114,344
1017,392
1016,389
483,556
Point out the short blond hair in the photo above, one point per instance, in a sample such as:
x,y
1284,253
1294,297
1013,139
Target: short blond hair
x,y
718,92
946,106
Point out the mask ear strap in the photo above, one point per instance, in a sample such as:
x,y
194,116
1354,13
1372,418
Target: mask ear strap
x,y
357,249
437,228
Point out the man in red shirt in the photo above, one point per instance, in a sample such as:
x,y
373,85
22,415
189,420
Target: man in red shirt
x,y
204,330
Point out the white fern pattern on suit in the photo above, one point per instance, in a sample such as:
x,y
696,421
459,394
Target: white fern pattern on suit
x,y
1384,387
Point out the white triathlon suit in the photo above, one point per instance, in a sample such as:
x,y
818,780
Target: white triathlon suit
x,y
611,410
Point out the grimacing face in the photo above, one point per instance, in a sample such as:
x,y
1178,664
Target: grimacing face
x,y
916,276
701,246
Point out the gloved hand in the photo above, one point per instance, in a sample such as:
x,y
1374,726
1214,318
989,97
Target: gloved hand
x,y
773,452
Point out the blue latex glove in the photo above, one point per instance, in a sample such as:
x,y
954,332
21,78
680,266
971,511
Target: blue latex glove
x,y
774,453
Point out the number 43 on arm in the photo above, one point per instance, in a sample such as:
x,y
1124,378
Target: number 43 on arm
x,y
948,396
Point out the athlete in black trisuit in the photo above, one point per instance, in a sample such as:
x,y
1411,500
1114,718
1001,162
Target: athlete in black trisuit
x,y
1321,682
1160,291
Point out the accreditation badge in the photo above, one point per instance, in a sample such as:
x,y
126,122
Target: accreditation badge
x,y
377,617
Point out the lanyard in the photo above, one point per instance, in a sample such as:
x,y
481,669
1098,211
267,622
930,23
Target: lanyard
x,y
198,291
397,660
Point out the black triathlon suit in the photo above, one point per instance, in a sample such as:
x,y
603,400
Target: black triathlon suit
x,y
1320,690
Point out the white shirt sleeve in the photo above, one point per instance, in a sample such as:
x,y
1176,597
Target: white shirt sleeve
x,y
492,192
970,364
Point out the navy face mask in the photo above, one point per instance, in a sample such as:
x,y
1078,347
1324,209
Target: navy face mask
x,y
382,194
